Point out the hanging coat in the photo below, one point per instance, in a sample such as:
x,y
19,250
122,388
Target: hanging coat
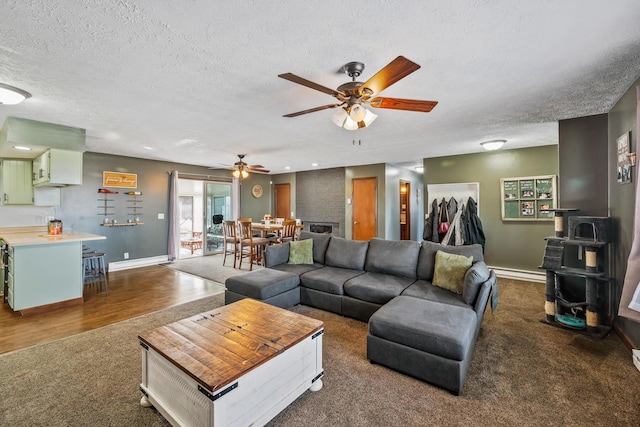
x,y
443,216
455,230
431,226
473,224
464,221
452,207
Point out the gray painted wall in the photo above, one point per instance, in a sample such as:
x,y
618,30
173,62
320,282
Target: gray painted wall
x,y
81,205
622,198
392,202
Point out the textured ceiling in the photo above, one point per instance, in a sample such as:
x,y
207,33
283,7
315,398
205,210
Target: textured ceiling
x,y
196,81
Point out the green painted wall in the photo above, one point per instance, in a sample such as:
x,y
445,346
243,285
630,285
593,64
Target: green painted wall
x,y
509,245
252,207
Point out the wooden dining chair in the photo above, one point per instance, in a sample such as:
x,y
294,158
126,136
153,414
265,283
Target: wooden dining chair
x,y
250,246
230,237
288,232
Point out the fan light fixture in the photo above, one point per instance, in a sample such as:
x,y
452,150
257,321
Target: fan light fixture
x,y
240,173
10,95
354,117
494,144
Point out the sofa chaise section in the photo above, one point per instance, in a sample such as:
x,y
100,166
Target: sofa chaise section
x,y
429,332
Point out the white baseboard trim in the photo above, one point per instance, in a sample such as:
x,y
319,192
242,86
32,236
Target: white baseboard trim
x,y
510,273
134,263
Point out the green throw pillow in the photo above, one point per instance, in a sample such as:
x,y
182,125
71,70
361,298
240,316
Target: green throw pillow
x,y
301,252
449,271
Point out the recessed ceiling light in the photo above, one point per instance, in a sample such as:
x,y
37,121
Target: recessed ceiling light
x,y
287,167
147,148
420,169
20,147
314,164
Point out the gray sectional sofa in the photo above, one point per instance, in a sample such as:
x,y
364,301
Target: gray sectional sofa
x,y
415,327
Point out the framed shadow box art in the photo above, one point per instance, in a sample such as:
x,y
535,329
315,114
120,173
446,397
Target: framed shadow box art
x,y
528,198
624,162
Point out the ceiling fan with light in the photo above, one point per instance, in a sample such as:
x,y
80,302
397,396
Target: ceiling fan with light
x,y
354,95
241,169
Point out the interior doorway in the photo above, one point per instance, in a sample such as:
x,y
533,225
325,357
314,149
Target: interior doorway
x,y
405,210
365,212
282,200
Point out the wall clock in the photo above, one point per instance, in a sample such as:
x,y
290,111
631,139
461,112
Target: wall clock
x,y
257,191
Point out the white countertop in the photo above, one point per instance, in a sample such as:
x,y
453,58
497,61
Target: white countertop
x,y
27,236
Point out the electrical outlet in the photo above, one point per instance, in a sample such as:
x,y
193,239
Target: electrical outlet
x,y
126,255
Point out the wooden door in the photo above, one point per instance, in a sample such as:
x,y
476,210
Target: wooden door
x,y
282,196
365,215
405,211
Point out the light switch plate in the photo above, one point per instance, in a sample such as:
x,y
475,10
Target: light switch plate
x,y
160,216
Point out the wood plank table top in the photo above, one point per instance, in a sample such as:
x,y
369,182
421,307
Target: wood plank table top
x,y
217,347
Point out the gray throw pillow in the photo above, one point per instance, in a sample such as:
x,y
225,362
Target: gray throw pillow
x,y
473,279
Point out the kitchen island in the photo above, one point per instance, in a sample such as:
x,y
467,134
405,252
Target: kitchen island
x,y
43,271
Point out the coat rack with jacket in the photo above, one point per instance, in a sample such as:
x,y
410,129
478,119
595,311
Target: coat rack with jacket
x,y
454,222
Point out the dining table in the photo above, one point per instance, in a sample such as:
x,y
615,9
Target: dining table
x,y
271,227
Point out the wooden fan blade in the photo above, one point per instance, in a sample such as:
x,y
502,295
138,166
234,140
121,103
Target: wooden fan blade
x,y
397,69
310,84
257,169
312,110
403,104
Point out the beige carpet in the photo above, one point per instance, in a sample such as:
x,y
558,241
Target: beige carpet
x,y
210,267
523,373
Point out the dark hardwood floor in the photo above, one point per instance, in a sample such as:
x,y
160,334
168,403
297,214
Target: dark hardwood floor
x,y
131,293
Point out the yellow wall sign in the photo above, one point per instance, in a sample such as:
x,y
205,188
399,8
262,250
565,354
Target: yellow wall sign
x,y
119,179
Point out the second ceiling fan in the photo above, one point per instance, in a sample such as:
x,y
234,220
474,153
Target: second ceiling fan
x,y
241,169
352,95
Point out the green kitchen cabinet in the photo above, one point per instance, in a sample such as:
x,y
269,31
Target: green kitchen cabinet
x,y
57,167
16,184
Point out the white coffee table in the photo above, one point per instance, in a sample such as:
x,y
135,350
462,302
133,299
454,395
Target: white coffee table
x,y
239,365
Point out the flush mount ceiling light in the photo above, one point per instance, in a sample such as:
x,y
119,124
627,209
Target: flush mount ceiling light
x,y
10,95
494,144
